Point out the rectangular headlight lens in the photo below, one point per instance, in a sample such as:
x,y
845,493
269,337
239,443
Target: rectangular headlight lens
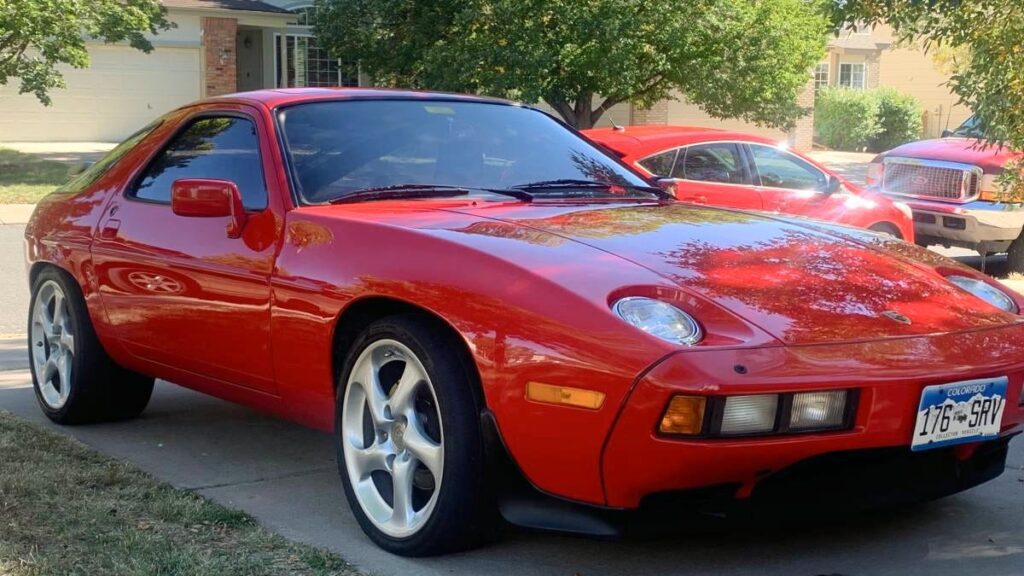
x,y
749,414
818,410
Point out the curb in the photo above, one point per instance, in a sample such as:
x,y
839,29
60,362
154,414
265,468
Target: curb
x,y
16,213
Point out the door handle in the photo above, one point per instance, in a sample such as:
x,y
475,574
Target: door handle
x,y
701,199
110,229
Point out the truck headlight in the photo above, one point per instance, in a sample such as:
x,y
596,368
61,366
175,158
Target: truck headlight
x,y
659,319
985,291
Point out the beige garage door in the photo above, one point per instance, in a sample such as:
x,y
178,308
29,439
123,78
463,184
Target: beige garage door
x,y
121,91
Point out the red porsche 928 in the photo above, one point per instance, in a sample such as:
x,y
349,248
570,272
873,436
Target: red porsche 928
x,y
472,297
737,170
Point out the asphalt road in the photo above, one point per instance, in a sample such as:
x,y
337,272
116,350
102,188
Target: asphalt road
x,y
286,477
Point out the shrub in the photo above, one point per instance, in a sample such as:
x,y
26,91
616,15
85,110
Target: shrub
x,y
846,119
874,120
900,118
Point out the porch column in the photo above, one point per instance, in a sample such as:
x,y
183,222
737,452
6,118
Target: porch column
x,y
802,136
220,72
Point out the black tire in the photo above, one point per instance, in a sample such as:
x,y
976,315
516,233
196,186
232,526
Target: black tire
x,y
99,389
1015,256
463,515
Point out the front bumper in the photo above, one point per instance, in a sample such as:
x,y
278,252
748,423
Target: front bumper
x,y
980,224
889,375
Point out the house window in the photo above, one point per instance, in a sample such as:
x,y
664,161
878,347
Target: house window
x,y
852,75
821,75
301,62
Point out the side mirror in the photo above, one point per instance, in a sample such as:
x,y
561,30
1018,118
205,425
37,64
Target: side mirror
x,y
834,185
947,133
667,185
201,198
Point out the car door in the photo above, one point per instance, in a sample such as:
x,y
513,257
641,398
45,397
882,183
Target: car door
x,y
715,173
787,182
177,290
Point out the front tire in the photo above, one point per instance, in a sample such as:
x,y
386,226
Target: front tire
x,y
75,381
410,449
1015,256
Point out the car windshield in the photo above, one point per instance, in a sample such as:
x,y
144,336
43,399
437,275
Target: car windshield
x,y
338,148
971,128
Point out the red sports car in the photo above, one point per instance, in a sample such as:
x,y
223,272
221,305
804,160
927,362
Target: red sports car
x,y
737,170
489,312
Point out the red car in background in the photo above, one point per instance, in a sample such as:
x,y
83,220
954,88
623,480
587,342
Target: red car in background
x,y
737,170
490,313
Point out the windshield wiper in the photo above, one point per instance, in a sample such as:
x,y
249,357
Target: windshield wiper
x,y
567,183
401,191
424,191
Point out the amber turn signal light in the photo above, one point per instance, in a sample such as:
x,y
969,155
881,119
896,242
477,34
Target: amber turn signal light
x,y
684,416
564,395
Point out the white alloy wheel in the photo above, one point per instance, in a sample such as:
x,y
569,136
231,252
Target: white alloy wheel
x,y
392,438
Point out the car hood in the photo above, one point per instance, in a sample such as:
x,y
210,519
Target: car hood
x,y
800,282
991,159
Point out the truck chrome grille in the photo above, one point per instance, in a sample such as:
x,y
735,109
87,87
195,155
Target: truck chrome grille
x,y
931,179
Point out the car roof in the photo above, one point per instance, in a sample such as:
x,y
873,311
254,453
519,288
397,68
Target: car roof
x,y
275,97
646,140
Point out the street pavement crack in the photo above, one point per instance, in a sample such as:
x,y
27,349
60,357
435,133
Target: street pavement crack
x,y
296,474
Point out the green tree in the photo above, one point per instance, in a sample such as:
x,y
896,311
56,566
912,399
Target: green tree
x,y
38,35
734,58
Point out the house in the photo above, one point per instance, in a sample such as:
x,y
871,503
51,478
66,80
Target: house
x,y
223,46
868,58
216,47
863,58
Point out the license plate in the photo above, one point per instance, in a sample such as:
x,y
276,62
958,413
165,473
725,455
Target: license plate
x,y
968,411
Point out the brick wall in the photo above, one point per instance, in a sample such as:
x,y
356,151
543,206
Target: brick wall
x,y
219,40
656,114
802,136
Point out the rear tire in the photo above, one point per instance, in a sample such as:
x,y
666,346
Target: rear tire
x,y
407,432
75,381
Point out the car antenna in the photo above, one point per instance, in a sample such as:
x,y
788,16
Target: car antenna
x,y
615,126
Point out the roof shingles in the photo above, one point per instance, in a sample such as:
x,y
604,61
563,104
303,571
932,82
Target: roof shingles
x,y
241,5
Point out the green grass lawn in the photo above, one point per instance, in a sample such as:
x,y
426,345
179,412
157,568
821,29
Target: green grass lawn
x,y
24,179
66,509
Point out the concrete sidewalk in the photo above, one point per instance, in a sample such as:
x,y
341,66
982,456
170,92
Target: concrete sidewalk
x,y
851,165
62,151
15,213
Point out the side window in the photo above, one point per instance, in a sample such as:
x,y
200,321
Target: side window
x,y
780,169
659,164
223,148
715,162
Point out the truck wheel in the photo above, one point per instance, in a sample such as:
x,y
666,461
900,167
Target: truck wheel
x,y
1015,255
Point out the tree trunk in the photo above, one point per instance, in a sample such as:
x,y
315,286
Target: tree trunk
x,y
581,115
